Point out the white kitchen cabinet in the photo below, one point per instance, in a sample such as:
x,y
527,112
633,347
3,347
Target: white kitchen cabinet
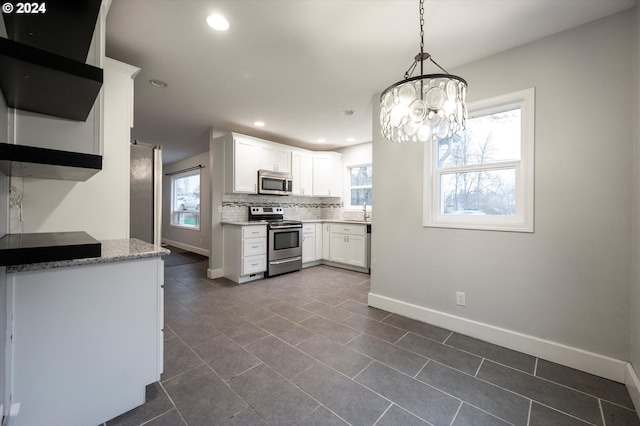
x,y
86,340
326,241
327,174
318,238
274,157
245,252
308,242
241,164
302,171
349,244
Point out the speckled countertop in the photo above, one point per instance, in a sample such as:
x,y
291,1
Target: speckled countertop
x,y
264,222
112,251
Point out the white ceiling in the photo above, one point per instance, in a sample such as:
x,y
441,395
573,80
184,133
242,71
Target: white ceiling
x,y
298,65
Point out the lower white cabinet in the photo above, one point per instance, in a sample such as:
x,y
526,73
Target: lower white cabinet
x,y
311,242
348,244
245,252
86,340
308,242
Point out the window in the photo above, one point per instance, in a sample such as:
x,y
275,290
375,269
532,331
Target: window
x,y
185,200
359,190
482,178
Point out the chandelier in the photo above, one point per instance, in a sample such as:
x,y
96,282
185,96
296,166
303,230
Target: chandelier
x,y
426,107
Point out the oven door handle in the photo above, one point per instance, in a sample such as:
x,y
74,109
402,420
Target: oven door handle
x,y
286,227
290,259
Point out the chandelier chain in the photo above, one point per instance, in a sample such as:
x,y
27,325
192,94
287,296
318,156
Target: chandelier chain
x,y
421,26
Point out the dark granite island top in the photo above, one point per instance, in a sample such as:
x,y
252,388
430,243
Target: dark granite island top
x,y
112,251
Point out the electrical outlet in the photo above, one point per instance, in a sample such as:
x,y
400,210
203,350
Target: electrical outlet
x,y
461,298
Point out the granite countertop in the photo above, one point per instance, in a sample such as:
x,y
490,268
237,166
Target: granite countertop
x,y
264,222
245,222
112,251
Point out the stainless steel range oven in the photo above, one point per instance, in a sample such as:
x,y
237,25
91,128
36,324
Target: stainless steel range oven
x,y
284,241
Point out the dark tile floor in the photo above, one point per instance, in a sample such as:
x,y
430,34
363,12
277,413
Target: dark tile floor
x,y
305,349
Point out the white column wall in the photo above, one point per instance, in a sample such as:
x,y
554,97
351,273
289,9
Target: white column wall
x,y
635,284
99,206
566,286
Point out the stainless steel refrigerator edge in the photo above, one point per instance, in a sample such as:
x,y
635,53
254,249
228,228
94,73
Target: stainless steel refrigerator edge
x,y
145,208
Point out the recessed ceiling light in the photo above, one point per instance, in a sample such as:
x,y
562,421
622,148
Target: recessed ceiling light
x,y
351,140
218,22
158,83
258,123
322,140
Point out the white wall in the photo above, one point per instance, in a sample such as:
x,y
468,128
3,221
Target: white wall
x,y
635,259
99,206
197,241
568,282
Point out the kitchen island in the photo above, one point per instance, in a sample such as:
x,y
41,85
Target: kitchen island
x,y
86,334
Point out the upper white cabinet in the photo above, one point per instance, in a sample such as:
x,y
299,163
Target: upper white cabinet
x,y
274,157
241,163
314,173
302,171
327,174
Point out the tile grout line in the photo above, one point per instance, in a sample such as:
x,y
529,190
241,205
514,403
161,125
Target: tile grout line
x,y
604,422
529,413
457,412
382,415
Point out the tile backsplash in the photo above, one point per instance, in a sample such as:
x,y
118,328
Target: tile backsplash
x,y
235,207
15,205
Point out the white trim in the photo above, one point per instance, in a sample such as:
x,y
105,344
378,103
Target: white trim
x,y
522,221
215,273
590,362
633,385
187,247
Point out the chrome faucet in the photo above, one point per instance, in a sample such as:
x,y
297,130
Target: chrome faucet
x,y
365,216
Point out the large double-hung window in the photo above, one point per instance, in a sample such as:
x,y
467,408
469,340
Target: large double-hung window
x,y
185,200
482,178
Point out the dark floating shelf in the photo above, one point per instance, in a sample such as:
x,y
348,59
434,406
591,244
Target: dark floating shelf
x,y
23,249
44,163
35,80
65,28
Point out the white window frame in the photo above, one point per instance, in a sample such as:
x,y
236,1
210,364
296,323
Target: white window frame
x,y
174,221
522,221
348,187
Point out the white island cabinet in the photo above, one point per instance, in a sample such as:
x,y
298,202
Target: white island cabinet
x,y
86,335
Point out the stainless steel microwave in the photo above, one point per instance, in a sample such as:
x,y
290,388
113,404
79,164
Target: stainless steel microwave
x,y
274,183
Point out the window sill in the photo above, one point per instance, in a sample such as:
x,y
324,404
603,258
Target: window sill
x,y
191,228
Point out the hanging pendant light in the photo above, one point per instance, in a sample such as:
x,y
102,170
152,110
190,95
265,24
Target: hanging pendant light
x,y
426,107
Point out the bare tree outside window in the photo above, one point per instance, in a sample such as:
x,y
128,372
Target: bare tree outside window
x,y
476,179
360,181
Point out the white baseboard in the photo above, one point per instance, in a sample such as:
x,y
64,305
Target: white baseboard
x,y
187,247
593,363
215,273
633,385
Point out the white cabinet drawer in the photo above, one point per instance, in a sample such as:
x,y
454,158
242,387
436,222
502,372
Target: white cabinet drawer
x,y
308,228
254,264
254,231
347,228
254,246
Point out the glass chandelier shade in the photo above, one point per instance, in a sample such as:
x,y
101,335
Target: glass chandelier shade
x,y
426,107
